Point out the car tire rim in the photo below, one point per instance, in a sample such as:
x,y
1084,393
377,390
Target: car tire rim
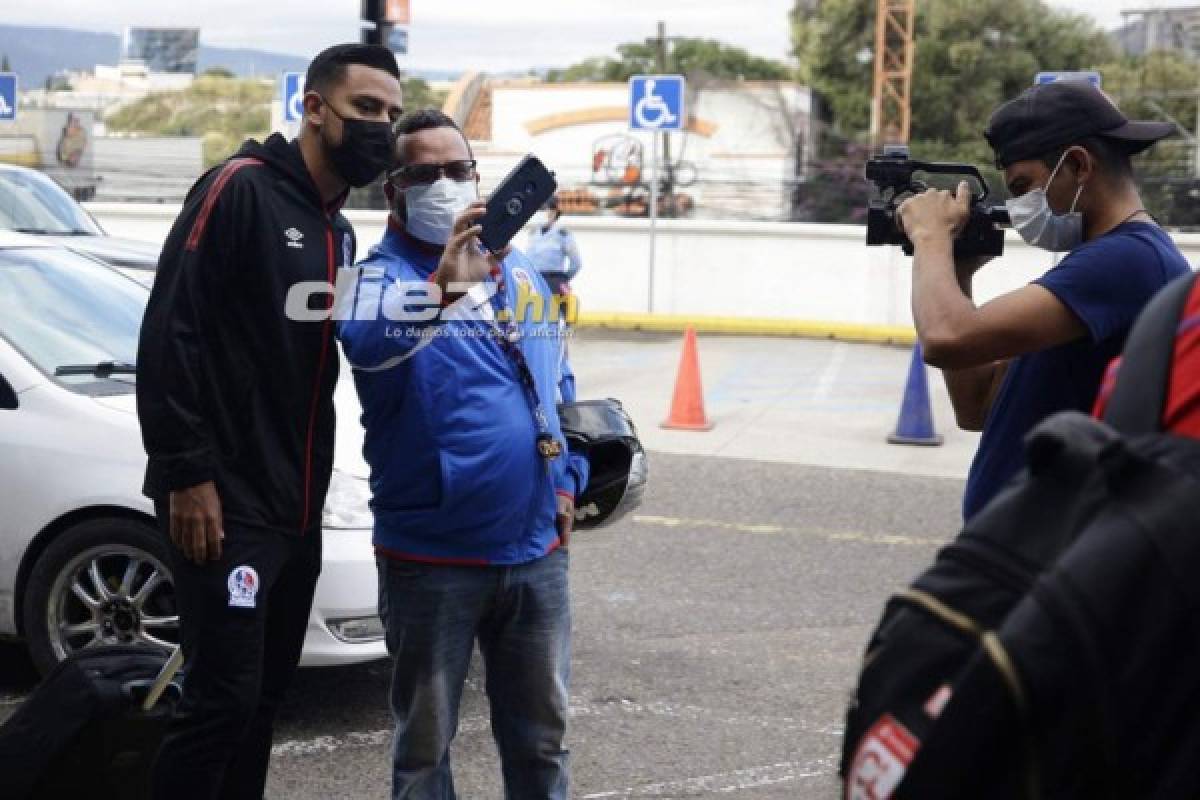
x,y
112,594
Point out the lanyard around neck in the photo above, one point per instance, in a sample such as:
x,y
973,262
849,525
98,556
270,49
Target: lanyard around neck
x,y
507,333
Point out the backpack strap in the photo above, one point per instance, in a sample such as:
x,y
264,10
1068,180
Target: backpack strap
x,y
1140,395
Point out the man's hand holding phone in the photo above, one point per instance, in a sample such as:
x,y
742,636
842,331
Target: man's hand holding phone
x,y
464,261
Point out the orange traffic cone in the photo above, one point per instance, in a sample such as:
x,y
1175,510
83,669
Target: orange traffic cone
x,y
687,408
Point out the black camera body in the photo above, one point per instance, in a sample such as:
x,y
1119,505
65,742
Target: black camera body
x,y
892,173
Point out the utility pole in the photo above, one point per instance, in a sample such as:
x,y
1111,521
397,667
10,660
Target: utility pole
x,y
669,182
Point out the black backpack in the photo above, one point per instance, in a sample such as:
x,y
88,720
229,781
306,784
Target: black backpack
x,y
1053,649
92,728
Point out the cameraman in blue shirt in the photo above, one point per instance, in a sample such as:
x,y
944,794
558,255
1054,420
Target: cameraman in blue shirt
x,y
1065,150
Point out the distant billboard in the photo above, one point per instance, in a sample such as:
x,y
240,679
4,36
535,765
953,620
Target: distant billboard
x,y
163,49
397,12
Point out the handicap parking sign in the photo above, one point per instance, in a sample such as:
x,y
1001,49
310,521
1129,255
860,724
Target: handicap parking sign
x,y
8,96
656,102
293,96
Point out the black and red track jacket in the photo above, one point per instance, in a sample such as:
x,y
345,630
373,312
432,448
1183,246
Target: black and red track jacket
x,y
230,389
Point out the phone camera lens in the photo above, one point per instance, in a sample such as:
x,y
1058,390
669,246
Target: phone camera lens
x,y
514,206
530,188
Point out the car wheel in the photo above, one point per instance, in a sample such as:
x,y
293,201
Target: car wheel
x,y
104,581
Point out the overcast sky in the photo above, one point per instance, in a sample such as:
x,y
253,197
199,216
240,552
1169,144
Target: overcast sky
x,y
463,34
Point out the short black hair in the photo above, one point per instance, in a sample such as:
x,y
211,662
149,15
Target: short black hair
x,y
422,119
330,64
1113,157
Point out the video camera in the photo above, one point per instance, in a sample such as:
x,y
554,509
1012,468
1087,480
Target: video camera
x,y
892,173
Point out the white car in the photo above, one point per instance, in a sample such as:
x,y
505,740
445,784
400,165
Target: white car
x,y
81,559
31,202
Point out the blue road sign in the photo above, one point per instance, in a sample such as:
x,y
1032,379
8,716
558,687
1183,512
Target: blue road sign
x,y
293,96
656,102
1052,77
398,41
8,96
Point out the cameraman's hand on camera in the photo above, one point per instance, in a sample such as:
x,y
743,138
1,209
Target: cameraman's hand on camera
x,y
464,261
935,214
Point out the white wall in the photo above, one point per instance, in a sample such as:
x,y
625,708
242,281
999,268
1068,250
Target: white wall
x,y
743,167
759,270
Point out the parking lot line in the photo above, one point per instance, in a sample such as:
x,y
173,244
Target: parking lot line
x,y
829,535
477,724
723,782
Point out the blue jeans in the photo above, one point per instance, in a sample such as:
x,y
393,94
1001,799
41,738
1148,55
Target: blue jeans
x,y
521,617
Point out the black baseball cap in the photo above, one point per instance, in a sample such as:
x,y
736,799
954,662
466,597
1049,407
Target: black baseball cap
x,y
1052,115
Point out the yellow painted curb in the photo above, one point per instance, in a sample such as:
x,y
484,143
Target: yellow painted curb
x,y
749,326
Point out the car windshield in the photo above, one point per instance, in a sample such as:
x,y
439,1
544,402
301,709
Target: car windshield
x,y
32,203
61,309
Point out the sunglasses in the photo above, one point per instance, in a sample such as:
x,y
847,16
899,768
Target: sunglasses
x,y
462,170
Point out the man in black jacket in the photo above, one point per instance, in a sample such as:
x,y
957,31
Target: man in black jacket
x,y
235,398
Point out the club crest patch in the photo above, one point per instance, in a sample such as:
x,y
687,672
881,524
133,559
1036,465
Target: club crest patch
x,y
882,759
243,587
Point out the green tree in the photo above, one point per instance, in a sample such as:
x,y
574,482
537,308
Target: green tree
x,y
418,94
971,55
702,58
217,72
4,65
1161,85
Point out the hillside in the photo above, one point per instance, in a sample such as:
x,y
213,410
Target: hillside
x,y
37,53
225,111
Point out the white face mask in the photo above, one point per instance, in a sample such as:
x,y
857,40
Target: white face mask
x,y
430,209
1037,223
542,220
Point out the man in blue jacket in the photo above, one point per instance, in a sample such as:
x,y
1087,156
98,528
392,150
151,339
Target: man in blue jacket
x,y
473,487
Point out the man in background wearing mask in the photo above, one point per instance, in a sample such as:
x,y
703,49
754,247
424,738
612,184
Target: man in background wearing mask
x,y
235,400
552,249
473,488
1065,150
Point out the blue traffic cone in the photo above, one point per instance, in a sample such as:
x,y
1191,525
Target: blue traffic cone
x,y
915,425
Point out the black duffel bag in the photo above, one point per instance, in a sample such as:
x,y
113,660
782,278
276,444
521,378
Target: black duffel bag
x,y
1053,649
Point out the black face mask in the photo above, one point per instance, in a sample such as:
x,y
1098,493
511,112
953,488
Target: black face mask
x,y
367,149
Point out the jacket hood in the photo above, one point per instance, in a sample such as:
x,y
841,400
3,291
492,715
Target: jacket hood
x,y
284,157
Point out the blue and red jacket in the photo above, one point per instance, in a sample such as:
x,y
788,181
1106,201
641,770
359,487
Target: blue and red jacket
x,y
456,476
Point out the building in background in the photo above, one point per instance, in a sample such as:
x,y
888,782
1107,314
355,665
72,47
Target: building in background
x,y
744,145
107,87
174,50
1160,27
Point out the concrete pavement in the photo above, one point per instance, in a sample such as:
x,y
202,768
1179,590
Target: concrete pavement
x,y
718,630
794,401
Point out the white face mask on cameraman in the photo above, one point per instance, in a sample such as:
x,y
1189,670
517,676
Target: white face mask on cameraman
x,y
1037,223
430,208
